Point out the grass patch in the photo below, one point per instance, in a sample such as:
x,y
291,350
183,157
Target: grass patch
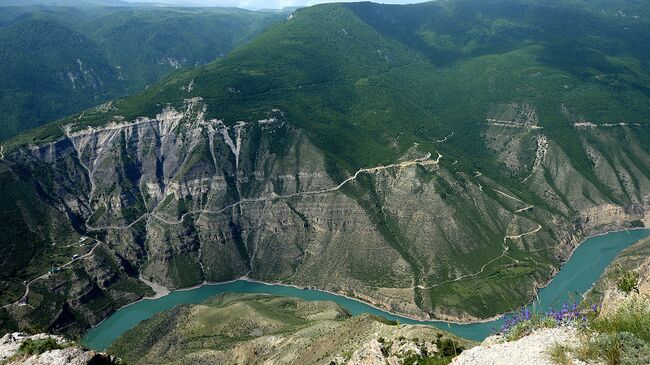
x,y
619,337
559,354
628,282
38,346
633,317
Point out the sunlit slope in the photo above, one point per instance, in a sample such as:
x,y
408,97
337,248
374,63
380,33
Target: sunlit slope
x,y
257,328
438,160
59,60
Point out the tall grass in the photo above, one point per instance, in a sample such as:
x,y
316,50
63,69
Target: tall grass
x,y
618,337
632,316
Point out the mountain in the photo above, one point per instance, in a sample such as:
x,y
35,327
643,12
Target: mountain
x,y
57,60
49,70
279,330
439,160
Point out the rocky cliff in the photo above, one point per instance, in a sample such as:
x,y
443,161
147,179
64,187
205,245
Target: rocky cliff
x,y
19,349
382,152
179,199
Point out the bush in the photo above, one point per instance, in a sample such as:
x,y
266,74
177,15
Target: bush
x,y
559,354
621,337
628,282
621,348
37,347
449,347
632,316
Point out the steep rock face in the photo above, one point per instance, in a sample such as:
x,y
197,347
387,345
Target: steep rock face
x,y
179,199
81,295
67,354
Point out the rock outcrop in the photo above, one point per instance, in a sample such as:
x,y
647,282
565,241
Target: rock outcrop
x,y
180,199
68,353
530,350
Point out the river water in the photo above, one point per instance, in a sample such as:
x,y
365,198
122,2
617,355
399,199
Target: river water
x,y
574,279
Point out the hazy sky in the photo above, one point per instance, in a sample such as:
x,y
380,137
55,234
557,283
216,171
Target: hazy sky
x,y
264,4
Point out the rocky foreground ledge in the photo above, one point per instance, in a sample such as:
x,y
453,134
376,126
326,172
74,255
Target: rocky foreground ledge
x,y
17,348
533,349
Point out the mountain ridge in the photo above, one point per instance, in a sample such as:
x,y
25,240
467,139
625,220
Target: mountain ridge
x,y
58,60
209,174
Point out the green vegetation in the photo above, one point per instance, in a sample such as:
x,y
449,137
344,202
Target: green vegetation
x,y
617,332
367,85
355,79
232,325
621,336
37,347
30,244
524,328
57,60
622,270
628,282
633,317
559,354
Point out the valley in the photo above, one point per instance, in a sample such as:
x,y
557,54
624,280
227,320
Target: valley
x,y
576,278
62,58
440,161
174,203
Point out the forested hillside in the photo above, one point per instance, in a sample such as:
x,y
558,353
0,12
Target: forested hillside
x,y
439,160
57,60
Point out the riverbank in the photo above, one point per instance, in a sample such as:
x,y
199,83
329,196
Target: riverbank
x,y
584,268
162,291
378,306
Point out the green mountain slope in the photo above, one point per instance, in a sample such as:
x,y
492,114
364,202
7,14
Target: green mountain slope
x,y
277,330
60,60
49,70
438,160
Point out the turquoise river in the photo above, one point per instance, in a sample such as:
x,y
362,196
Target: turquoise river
x,y
576,277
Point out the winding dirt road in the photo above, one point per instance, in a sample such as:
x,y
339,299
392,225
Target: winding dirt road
x,y
423,161
23,299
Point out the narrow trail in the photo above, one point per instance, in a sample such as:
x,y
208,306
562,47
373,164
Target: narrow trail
x,y
446,137
426,160
2,152
503,254
524,209
509,196
93,229
23,299
423,161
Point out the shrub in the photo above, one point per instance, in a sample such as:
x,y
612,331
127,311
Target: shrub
x,y
628,281
621,348
37,347
621,337
632,316
559,354
448,347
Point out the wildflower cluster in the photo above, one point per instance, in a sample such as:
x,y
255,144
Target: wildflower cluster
x,y
524,322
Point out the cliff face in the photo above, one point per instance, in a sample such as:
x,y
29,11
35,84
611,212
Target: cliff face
x,y
179,199
14,352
